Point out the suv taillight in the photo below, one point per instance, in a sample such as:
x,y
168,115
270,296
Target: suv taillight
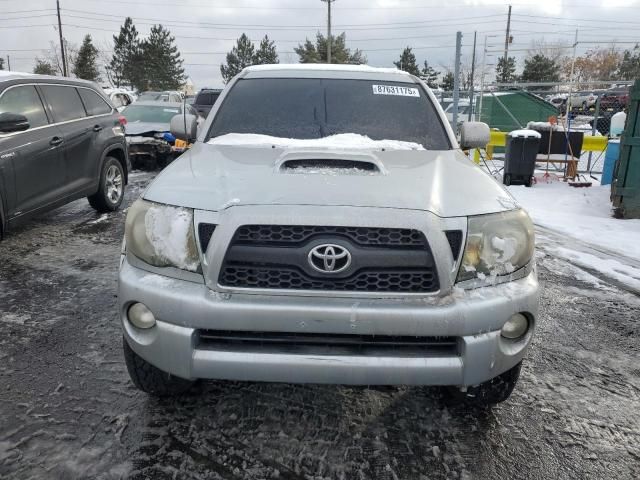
x,y
122,120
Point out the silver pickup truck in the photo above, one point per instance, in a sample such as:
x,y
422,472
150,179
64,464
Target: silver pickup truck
x,y
326,227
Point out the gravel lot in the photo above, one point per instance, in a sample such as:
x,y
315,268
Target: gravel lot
x,y
69,411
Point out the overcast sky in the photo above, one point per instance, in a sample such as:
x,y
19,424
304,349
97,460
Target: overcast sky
x,y
206,29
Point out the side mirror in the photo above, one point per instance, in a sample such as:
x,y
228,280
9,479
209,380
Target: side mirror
x,y
178,129
13,122
474,135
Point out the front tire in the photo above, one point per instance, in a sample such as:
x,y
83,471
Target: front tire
x,y
151,379
110,192
489,393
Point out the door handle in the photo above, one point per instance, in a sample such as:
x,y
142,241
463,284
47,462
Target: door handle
x,y
97,128
55,141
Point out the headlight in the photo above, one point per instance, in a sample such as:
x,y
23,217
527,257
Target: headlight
x,y
497,244
162,236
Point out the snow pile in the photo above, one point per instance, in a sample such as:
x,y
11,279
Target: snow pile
x,y
580,213
341,141
169,231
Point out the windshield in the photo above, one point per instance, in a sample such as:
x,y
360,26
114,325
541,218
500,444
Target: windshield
x,y
304,108
150,113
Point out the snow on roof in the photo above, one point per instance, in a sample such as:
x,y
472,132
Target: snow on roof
x,y
322,67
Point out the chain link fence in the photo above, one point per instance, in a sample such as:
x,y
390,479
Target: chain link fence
x,y
577,109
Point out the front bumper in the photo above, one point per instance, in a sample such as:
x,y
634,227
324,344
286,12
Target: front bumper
x,y
182,308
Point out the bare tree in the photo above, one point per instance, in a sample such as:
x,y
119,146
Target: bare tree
x,y
54,58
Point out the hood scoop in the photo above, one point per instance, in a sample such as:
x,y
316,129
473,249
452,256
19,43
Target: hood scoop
x,y
330,164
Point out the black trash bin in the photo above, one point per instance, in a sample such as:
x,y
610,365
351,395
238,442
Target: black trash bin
x,y
520,157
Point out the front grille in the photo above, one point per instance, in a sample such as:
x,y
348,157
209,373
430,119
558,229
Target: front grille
x,y
281,234
390,260
288,278
327,344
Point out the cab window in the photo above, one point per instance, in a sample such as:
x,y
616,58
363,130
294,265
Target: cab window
x,y
24,100
64,101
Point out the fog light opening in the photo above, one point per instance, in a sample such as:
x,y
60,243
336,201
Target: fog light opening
x,y
515,327
140,316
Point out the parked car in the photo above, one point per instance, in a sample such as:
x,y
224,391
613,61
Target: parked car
x,y
583,100
616,99
205,100
167,96
463,112
327,228
148,135
60,140
120,98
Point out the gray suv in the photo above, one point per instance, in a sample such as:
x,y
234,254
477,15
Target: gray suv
x,y
326,227
60,140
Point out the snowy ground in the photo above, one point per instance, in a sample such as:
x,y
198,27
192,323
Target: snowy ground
x,y
68,409
585,231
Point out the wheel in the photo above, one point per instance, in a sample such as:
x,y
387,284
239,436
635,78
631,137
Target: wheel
x,y
529,182
111,189
151,379
486,394
506,179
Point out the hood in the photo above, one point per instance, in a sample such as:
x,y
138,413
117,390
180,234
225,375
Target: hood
x,y
216,177
138,128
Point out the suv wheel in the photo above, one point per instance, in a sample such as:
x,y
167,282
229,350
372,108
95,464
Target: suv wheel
x,y
111,189
151,379
487,394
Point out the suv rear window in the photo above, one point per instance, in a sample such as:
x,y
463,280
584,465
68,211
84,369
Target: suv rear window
x,y
64,102
306,108
206,98
94,103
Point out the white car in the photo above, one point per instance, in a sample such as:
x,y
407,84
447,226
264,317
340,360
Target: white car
x,y
120,98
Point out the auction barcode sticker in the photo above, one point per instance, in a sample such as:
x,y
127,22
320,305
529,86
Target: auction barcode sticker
x,y
395,90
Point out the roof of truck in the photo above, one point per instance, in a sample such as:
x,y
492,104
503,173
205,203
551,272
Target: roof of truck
x,y
322,67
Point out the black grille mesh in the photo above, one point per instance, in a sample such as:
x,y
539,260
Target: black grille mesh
x,y
290,279
401,237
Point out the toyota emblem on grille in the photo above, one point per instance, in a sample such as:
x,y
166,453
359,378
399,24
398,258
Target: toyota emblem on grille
x,y
329,258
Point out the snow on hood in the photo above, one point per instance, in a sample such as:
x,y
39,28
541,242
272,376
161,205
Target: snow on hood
x,y
217,177
342,141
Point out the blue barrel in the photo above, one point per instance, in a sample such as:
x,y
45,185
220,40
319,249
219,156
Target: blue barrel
x,y
610,159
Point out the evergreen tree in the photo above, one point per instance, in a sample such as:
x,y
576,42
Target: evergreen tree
x,y
447,82
1,63
407,62
44,68
85,66
540,68
629,67
162,63
317,53
240,56
126,64
266,52
429,75
506,71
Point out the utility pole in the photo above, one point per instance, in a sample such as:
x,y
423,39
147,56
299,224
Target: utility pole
x,y
473,72
328,2
62,52
456,83
484,66
507,37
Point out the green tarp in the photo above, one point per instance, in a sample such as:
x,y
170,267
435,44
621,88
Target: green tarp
x,y
522,105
